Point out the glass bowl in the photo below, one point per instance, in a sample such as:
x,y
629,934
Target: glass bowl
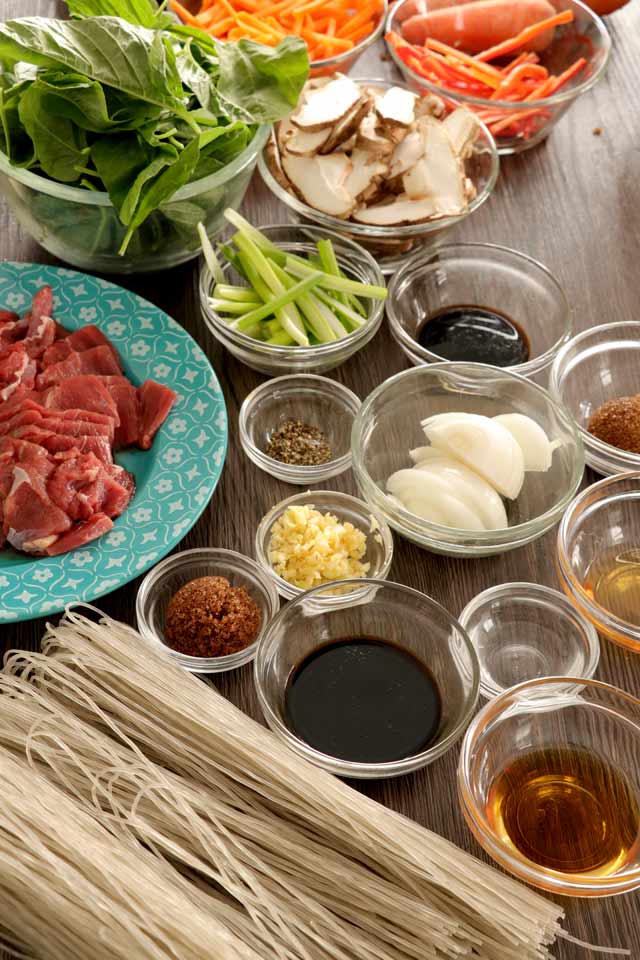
x,y
82,227
272,359
557,713
392,612
160,584
314,400
598,557
586,36
599,365
390,245
484,275
388,426
522,631
343,62
379,552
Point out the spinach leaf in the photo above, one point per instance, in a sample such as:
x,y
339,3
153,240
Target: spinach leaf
x,y
262,83
119,159
137,61
145,13
160,187
60,146
195,77
14,139
84,101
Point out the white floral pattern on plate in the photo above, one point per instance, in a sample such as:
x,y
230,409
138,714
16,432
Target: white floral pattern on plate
x,y
175,479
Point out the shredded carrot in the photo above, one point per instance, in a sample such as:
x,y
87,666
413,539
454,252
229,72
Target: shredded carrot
x,y
330,27
462,57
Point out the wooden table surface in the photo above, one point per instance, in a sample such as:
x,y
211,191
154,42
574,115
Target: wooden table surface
x,y
573,203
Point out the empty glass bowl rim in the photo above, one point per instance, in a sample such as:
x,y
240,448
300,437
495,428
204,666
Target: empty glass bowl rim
x,y
438,531
367,230
100,198
205,664
521,590
509,858
350,767
592,442
308,496
320,350
348,55
328,386
425,258
600,614
510,105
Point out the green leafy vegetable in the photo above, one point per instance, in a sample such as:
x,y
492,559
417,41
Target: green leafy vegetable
x,y
121,99
59,145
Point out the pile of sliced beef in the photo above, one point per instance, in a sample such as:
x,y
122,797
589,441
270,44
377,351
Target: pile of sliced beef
x,y
65,407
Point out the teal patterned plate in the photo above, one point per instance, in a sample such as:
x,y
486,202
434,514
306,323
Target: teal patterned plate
x,y
175,479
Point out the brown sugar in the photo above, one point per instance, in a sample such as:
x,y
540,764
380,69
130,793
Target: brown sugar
x,y
208,617
617,422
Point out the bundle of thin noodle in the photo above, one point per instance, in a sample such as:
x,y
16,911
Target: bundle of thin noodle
x,y
314,868
69,889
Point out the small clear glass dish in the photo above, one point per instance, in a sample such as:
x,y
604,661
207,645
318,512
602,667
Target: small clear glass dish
x,y
390,245
586,36
379,551
314,400
483,275
598,557
164,580
597,365
388,426
522,631
392,612
273,359
554,714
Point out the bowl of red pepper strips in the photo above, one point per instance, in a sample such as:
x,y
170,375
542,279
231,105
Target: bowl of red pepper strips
x,y
519,80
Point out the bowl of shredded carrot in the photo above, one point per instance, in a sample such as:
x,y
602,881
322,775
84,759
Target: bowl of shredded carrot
x,y
336,31
519,66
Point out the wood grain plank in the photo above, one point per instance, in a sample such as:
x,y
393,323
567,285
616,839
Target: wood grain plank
x,y
572,203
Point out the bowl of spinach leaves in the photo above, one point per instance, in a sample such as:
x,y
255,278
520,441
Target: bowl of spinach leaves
x,y
119,133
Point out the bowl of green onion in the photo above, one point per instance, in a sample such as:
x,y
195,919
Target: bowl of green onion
x,y
290,298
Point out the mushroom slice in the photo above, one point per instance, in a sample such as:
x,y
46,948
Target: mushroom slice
x,y
406,154
346,127
275,166
401,211
366,172
429,104
397,106
301,143
327,105
439,174
463,127
320,182
370,138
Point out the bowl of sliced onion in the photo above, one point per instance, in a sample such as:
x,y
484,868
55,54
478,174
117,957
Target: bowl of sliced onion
x,y
466,459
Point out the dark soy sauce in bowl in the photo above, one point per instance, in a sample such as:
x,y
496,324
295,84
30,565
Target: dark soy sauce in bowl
x,y
475,334
363,699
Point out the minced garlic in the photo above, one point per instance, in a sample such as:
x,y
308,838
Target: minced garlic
x,y
308,548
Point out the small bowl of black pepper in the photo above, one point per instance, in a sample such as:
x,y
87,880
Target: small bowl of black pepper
x,y
207,607
298,428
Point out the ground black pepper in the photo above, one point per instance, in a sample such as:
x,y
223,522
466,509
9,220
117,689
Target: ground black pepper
x,y
207,617
299,444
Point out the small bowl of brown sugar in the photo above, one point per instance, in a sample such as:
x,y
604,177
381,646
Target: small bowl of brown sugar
x,y
298,428
597,377
208,607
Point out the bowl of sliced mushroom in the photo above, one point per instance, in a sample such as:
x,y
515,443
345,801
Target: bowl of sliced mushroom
x,y
379,164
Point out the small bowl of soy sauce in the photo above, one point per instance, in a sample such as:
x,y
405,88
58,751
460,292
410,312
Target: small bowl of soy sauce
x,y
479,303
377,689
